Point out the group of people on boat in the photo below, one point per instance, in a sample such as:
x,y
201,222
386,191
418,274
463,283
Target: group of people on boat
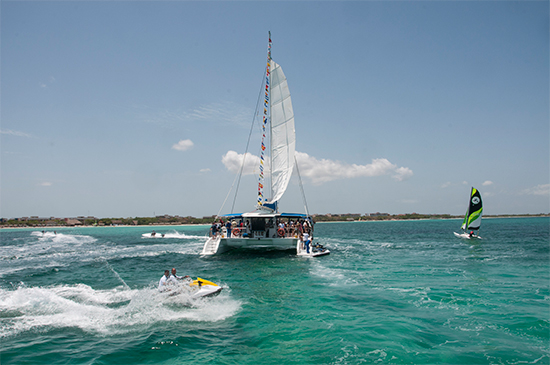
x,y
293,228
227,228
240,228
167,281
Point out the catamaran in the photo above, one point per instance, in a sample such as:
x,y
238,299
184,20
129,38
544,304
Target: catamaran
x,y
265,227
472,219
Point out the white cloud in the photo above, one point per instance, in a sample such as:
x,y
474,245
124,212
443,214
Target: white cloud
x,y
446,185
321,171
183,145
203,171
487,183
233,162
543,190
15,133
45,183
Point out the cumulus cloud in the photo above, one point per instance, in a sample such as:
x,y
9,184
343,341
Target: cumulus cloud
x,y
487,183
45,183
543,190
183,145
233,162
324,170
204,171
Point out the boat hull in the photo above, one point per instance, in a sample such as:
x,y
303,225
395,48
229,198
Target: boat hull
x,y
466,236
217,245
207,291
274,243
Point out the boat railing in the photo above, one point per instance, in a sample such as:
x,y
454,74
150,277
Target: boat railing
x,y
258,234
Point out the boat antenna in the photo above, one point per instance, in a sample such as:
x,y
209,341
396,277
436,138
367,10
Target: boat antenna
x,y
301,185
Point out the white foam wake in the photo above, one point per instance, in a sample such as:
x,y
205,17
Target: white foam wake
x,y
109,311
171,234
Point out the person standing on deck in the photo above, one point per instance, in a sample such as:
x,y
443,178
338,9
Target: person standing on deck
x,y
306,241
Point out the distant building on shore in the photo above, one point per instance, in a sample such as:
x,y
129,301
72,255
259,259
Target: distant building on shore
x,y
378,214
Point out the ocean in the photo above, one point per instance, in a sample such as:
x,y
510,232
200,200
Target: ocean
x,y
390,292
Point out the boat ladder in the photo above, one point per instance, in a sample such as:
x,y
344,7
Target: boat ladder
x,y
211,246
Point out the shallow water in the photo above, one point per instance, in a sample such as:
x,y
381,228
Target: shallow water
x,y
389,292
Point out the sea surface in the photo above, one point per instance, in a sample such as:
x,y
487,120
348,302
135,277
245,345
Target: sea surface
x,y
391,292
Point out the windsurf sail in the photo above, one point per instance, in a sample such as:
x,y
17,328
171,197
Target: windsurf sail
x,y
472,219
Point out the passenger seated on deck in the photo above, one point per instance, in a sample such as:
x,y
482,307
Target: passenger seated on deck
x,y
164,281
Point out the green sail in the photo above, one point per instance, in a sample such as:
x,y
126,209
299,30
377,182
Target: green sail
x,y
472,219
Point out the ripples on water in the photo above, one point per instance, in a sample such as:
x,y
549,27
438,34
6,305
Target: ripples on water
x,y
390,292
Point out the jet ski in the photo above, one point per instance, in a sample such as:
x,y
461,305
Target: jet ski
x,y
318,250
193,289
203,288
315,250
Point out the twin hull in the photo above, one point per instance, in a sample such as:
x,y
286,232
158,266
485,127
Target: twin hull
x,y
276,243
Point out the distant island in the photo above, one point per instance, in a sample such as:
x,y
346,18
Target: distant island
x,y
164,220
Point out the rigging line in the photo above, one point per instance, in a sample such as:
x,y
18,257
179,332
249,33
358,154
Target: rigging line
x,y
227,196
301,185
247,143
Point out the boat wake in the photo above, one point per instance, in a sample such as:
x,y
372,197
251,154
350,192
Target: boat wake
x,y
171,234
106,312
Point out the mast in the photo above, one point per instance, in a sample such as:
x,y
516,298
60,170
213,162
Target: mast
x,y
270,132
281,134
267,106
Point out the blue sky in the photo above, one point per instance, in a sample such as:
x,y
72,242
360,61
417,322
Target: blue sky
x,y
124,109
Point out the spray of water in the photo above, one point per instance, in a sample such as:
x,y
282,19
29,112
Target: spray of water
x,y
116,274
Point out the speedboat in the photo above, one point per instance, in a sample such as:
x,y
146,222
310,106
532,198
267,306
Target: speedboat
x,y
153,235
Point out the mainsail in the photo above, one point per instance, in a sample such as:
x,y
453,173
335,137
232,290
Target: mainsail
x,y
472,219
282,134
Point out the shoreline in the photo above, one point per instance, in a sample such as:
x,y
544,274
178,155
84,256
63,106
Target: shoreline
x,y
152,226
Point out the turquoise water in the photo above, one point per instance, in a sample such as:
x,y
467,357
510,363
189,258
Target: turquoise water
x,y
389,293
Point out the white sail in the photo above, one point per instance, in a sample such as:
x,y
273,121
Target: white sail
x,y
283,136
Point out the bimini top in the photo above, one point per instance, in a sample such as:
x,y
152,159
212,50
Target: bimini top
x,y
263,213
